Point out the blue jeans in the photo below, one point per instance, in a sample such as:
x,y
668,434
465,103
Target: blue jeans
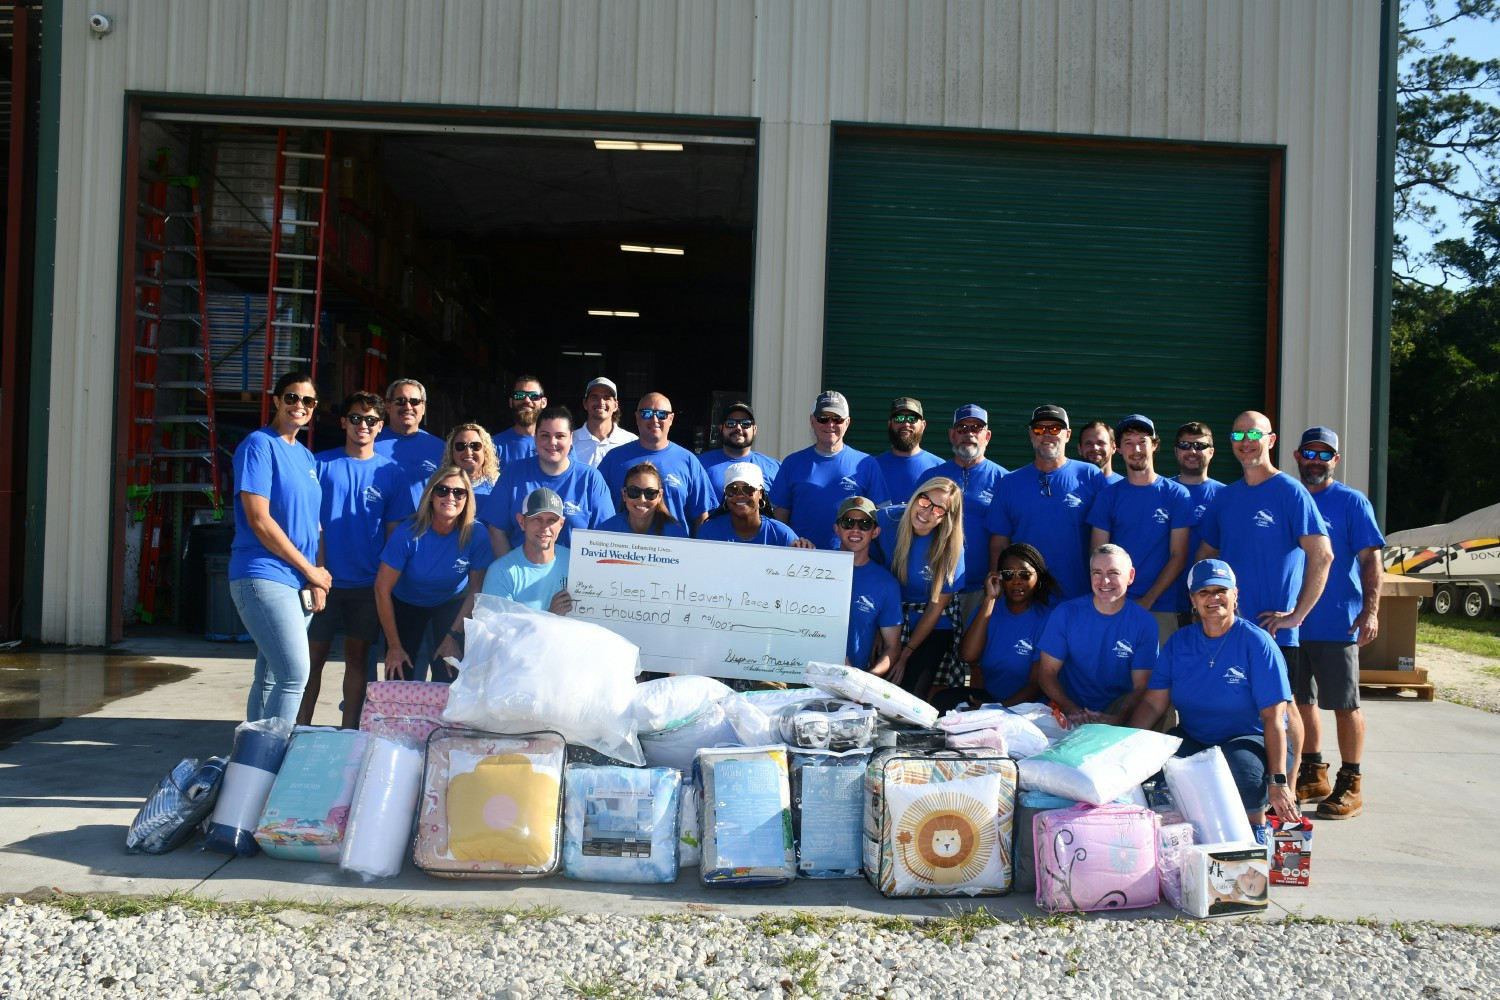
x,y
272,612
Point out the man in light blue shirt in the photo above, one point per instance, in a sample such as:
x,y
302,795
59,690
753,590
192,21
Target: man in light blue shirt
x,y
536,574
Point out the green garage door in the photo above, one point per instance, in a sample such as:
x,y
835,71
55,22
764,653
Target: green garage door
x,y
1110,278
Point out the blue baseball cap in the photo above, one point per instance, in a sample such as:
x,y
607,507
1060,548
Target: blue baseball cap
x,y
1210,573
1135,422
970,411
1321,435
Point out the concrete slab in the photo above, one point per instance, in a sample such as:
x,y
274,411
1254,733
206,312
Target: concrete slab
x,y
70,791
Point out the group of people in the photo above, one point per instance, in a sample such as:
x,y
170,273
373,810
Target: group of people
x,y
1117,597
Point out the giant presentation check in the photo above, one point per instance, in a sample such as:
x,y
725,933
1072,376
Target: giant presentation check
x,y
716,608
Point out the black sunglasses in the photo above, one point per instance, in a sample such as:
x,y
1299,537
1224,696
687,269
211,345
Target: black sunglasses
x,y
642,492
739,422
368,419
468,446
856,524
526,394
450,491
1194,445
411,401
291,398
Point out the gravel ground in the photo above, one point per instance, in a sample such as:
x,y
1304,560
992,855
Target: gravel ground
x,y
47,952
1460,677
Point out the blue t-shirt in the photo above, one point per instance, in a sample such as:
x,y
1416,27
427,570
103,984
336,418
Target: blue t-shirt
x,y
1099,652
1141,519
1258,531
512,447
874,604
585,498
978,484
904,473
287,476
433,568
621,523
1202,495
518,579
1010,647
918,586
1350,521
1220,686
1049,510
418,455
721,529
356,492
1111,477
812,486
713,462
687,490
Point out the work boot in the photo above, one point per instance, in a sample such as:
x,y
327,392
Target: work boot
x,y
1312,782
1345,801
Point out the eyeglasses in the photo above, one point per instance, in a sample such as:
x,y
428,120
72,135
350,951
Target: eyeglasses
x,y
1050,430
291,399
739,422
1044,484
828,418
905,418
926,504
969,428
1016,574
739,490
1254,435
530,394
1317,455
856,524
1195,445
411,401
655,414
457,492
642,492
368,419
474,446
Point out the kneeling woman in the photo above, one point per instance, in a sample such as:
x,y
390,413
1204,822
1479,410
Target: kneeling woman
x,y
927,559
745,515
1226,679
1003,638
644,512
432,566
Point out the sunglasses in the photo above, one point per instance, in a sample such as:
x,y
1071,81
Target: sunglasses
x,y
1050,430
828,418
1044,484
856,524
457,492
739,422
1317,455
642,492
739,490
530,394
474,446
291,399
411,401
368,419
1016,574
905,418
926,504
969,428
654,414
1254,435
1194,445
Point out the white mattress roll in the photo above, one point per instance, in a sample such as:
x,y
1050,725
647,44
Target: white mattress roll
x,y
1205,792
378,835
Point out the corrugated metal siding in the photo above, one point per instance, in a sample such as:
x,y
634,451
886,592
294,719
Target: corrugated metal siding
x,y
1293,72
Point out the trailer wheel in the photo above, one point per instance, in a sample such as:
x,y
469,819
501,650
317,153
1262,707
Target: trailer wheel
x,y
1476,604
1442,600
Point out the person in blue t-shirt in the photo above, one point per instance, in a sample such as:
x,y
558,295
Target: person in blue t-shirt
x,y
906,464
430,570
644,511
586,500
403,441
275,544
527,401
746,515
814,481
1003,640
1195,450
1096,446
737,437
535,573
470,447
1150,517
1097,651
1346,617
978,478
874,595
688,492
1046,503
356,484
1226,680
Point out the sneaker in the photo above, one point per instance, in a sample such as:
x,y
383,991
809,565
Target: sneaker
x,y
1312,782
1262,833
1345,801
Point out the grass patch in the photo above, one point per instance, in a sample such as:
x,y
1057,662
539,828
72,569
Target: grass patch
x,y
959,926
802,968
602,988
773,924
1462,635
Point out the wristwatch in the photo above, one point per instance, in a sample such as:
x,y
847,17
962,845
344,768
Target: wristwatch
x,y
456,634
1278,779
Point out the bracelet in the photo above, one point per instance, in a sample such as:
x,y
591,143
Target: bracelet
x,y
454,633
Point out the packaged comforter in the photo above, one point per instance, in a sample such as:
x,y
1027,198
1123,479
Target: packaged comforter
x,y
308,808
746,816
620,823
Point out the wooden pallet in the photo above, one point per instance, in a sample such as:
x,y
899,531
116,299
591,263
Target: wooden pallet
x,y
1397,682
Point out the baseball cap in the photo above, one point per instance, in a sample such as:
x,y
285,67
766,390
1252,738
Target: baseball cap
x,y
1052,413
906,404
737,405
542,501
833,402
1321,435
970,411
1135,422
744,472
1210,573
864,505
606,383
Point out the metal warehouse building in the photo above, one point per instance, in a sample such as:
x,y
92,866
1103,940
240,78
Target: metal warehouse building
x,y
1178,207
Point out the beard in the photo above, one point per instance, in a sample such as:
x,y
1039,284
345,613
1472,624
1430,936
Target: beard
x,y
904,440
1310,478
967,452
525,417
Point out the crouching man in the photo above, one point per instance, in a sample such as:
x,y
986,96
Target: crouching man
x,y
536,574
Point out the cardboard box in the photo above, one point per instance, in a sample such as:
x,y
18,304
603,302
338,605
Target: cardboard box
x,y
1223,879
1395,647
1291,851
